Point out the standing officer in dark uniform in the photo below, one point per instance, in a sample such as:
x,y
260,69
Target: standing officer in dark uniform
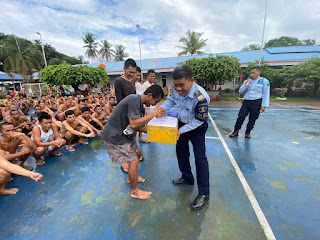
x,y
256,99
192,101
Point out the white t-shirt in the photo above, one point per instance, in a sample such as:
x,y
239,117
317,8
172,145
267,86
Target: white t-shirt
x,y
138,88
146,85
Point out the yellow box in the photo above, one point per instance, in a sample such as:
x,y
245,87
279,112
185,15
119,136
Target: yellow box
x,y
163,130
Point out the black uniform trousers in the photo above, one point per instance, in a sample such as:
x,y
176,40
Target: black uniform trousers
x,y
197,138
251,107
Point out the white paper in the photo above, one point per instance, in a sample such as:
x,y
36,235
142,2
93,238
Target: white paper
x,y
163,122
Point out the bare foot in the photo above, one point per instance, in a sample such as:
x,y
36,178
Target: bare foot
x,y
57,154
8,191
40,162
140,179
143,140
70,149
140,194
83,142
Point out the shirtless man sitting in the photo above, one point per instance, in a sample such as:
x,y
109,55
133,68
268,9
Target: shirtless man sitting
x,y
6,168
110,106
46,137
99,115
88,119
77,109
20,123
74,130
11,140
62,108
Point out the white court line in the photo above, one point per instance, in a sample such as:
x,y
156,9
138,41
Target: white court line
x,y
213,137
262,219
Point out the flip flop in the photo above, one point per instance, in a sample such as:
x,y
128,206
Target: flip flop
x,y
141,159
71,150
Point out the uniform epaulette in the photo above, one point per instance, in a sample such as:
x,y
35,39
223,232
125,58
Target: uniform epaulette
x,y
199,96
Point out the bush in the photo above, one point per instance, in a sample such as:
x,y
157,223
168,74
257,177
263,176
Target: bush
x,y
281,92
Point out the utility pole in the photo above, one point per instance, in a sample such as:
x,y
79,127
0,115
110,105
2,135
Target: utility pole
x,y
264,25
44,55
138,26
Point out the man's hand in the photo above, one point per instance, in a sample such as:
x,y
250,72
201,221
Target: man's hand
x,y
159,112
178,136
36,176
90,134
99,133
248,81
262,109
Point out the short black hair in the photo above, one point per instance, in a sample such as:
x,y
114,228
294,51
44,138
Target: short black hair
x,y
112,97
85,109
97,106
69,112
130,62
43,115
4,124
138,69
182,71
151,71
155,90
14,110
256,67
81,100
36,106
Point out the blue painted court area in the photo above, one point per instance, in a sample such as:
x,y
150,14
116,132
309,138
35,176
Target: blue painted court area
x,y
84,196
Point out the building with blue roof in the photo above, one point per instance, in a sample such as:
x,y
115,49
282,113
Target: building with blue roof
x,y
275,57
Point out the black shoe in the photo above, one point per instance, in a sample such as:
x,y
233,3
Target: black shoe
x,y
247,135
234,133
199,202
181,181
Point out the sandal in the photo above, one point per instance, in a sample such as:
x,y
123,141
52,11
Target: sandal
x,y
123,170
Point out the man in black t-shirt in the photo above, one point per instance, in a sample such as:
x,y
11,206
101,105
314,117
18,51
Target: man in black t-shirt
x,y
124,85
120,130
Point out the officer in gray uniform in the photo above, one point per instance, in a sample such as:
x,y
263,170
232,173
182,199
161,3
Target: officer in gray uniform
x,y
192,101
256,99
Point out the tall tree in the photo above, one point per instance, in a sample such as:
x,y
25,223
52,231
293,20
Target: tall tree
x,y
20,56
119,53
106,52
192,43
251,47
90,45
283,41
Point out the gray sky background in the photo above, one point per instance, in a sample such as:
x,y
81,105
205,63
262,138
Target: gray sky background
x,y
227,24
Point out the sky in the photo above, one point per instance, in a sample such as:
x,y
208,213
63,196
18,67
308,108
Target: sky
x,y
228,25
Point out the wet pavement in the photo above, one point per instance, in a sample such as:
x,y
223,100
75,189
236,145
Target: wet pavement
x,y
84,196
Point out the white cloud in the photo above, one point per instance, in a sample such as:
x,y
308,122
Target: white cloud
x,y
228,25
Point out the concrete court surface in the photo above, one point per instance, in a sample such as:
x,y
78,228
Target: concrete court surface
x,y
84,196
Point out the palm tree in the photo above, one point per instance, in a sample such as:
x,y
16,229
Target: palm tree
x,y
91,46
21,57
106,51
192,43
119,53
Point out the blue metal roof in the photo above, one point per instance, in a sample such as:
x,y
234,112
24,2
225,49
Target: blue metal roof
x,y
275,54
4,76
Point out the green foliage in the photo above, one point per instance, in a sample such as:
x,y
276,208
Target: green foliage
x,y
90,45
73,75
119,53
19,56
212,69
192,43
285,41
309,72
251,47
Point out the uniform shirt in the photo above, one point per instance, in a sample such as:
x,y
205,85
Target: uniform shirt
x,y
257,89
187,107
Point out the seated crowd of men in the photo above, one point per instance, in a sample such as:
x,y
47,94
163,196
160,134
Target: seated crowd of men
x,y
57,121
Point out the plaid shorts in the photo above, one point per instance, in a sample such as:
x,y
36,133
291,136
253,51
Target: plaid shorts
x,y
122,153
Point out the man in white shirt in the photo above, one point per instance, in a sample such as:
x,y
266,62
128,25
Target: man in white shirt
x,y
151,80
137,81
